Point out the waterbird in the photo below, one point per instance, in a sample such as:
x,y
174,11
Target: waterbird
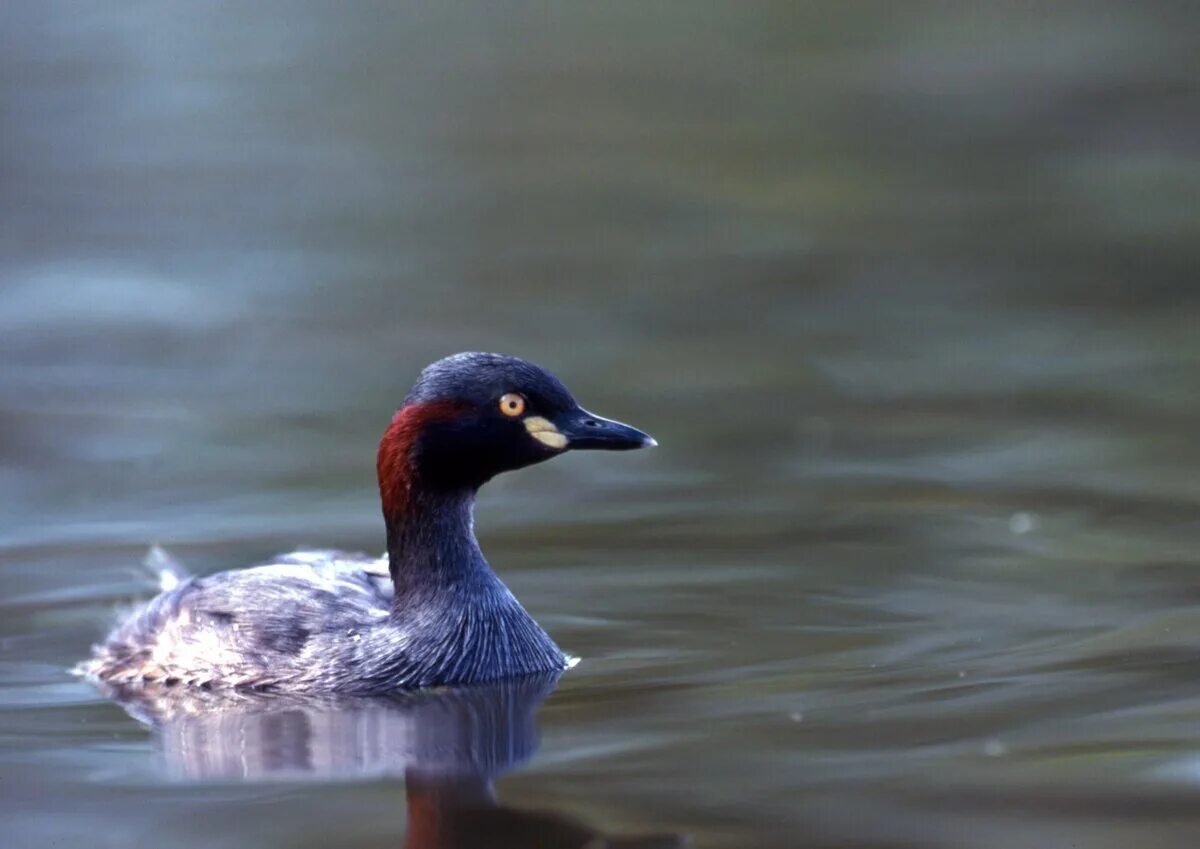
x,y
431,612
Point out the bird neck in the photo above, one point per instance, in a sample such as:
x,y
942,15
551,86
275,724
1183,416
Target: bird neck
x,y
430,533
431,544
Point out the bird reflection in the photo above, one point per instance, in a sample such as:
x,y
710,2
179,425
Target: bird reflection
x,y
449,745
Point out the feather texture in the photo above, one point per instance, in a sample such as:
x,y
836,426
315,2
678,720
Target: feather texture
x,y
315,621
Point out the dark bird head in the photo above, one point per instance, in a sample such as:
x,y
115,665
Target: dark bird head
x,y
472,416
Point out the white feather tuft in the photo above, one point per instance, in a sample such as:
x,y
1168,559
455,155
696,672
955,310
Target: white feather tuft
x,y
169,571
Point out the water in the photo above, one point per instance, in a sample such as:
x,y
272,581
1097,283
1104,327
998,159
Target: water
x,y
907,296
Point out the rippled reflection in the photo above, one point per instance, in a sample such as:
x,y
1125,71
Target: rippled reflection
x,y
449,745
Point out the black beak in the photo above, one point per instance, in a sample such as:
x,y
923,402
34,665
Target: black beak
x,y
586,430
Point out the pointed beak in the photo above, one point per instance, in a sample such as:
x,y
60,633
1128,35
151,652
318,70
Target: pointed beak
x,y
587,431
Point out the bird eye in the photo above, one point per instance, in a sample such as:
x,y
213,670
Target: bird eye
x,y
512,404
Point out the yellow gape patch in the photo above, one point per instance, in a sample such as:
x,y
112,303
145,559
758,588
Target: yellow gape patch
x,y
544,431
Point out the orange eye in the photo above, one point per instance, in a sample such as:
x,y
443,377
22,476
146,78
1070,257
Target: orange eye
x,y
512,404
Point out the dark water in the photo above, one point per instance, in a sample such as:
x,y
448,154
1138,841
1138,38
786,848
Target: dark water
x,y
907,292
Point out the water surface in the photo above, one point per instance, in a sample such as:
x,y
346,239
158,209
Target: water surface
x,y
907,296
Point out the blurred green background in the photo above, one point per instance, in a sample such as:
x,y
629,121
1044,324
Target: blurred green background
x,y
906,291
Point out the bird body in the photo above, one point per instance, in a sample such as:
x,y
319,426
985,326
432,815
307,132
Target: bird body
x,y
322,621
432,612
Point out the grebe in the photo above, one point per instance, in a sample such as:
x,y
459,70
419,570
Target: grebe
x,y
330,622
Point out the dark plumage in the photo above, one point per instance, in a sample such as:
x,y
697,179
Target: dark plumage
x,y
329,622
431,613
